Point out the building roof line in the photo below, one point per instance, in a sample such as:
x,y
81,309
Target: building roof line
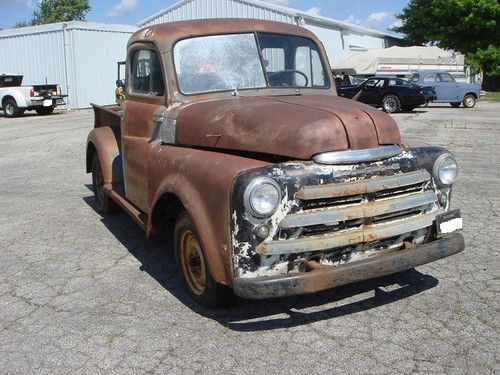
x,y
70,25
292,12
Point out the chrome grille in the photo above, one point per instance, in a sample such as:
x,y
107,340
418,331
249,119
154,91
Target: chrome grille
x,y
362,211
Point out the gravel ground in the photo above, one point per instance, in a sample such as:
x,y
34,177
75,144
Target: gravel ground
x,y
85,294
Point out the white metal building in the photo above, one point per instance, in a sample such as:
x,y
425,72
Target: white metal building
x,y
80,56
339,38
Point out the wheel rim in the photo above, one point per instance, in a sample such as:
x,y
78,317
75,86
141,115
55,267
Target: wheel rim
x,y
390,104
9,109
469,101
98,184
192,262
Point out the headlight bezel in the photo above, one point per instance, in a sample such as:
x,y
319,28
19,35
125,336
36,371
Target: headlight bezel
x,y
247,197
436,169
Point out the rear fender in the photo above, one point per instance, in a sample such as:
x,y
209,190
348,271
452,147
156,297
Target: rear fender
x,y
105,143
21,101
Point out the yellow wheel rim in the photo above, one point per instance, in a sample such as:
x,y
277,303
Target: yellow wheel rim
x,y
192,262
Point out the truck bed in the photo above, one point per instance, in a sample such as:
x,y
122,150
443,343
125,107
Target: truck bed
x,y
107,115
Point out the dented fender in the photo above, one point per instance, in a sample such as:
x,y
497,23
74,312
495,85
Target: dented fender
x,y
107,145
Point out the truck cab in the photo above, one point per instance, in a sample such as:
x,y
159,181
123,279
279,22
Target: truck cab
x,y
233,136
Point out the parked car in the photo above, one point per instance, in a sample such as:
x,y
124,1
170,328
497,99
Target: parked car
x,y
271,183
392,94
15,99
447,89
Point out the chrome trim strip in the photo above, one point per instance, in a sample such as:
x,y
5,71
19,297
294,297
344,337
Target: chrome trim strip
x,y
358,210
368,233
372,185
357,156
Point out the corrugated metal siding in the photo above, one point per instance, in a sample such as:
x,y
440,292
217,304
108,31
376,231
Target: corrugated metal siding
x,y
202,9
93,55
92,51
35,56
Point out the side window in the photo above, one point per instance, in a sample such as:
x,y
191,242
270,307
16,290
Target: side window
x,y
430,78
274,59
308,62
445,77
372,82
146,74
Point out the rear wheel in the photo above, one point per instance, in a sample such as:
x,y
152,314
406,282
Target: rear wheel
x,y
192,265
469,101
11,109
45,110
105,205
455,105
391,103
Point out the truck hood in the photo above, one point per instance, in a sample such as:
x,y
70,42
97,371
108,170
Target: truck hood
x,y
291,126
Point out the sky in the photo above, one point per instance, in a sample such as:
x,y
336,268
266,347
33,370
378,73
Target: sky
x,y
378,15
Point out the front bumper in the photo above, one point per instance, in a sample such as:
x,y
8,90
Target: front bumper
x,y
333,276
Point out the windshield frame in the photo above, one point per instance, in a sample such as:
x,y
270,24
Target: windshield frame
x,y
292,90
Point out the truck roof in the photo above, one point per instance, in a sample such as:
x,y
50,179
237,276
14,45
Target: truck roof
x,y
166,34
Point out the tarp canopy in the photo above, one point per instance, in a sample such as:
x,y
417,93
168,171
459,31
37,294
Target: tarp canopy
x,y
367,63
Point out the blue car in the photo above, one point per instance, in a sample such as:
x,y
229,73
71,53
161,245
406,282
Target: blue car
x,y
447,89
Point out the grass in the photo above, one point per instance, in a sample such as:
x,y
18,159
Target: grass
x,y
493,96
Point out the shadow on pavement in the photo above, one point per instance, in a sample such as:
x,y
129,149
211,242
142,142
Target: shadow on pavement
x,y
157,259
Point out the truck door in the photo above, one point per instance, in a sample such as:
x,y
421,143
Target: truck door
x,y
145,96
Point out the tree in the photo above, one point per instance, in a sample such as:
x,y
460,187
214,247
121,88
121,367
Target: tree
x,y
50,11
22,24
468,26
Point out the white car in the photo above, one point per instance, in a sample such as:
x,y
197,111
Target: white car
x,y
15,99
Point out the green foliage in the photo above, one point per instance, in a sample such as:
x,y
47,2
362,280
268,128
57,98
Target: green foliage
x,y
469,26
50,11
22,24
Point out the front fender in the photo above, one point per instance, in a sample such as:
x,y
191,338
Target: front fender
x,y
202,181
106,143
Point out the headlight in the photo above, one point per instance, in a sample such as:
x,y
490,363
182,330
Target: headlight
x,y
262,197
445,169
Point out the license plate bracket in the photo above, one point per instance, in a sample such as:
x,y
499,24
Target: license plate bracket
x,y
47,102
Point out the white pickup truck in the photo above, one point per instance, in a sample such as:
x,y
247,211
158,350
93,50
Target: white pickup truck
x,y
15,99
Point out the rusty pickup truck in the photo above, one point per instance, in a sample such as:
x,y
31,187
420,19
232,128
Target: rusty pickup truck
x,y
232,135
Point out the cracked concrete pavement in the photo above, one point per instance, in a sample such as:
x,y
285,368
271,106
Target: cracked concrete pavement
x,y
84,294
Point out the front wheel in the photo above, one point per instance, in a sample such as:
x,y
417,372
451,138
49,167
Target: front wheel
x,y
11,109
43,111
192,265
469,101
391,103
104,203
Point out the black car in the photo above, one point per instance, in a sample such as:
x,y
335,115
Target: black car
x,y
392,94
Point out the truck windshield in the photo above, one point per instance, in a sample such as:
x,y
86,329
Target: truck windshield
x,y
248,61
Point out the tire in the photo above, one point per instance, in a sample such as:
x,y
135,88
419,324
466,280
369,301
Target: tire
x,y
192,266
11,109
408,108
104,204
469,101
455,104
391,103
43,111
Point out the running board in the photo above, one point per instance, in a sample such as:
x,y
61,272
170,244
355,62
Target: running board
x,y
139,216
